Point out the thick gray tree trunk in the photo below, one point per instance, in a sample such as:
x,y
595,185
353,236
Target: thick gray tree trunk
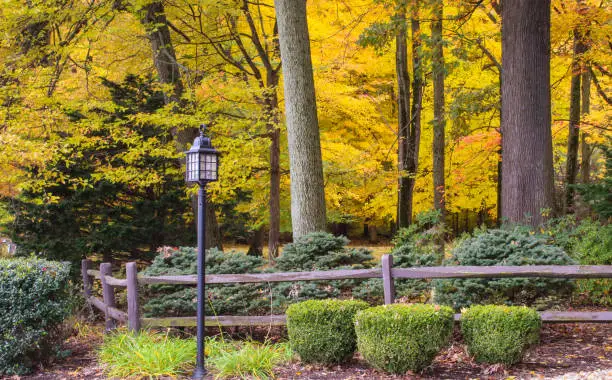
x,y
571,168
439,121
306,167
527,165
404,198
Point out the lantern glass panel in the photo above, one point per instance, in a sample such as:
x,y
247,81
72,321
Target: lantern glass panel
x,y
193,167
208,167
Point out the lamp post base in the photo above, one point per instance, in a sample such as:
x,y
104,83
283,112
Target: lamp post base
x,y
199,374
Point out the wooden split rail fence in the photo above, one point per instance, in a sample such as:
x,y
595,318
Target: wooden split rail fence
x,y
386,272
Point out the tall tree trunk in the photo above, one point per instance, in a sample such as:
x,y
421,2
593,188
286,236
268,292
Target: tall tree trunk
x,y
571,168
154,20
585,165
439,121
417,97
274,133
404,204
527,164
306,167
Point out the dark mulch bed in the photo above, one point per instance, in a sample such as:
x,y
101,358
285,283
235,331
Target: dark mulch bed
x,y
564,348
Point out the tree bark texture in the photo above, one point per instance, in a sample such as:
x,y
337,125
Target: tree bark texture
x,y
306,167
527,165
154,20
158,32
417,99
571,168
274,204
439,121
404,200
586,150
213,235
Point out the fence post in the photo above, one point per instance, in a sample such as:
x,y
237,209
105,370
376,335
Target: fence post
x,y
388,283
132,297
87,283
108,294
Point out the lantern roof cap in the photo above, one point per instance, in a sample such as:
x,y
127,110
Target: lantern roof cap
x,y
202,143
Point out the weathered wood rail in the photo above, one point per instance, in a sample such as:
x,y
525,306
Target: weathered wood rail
x,y
388,274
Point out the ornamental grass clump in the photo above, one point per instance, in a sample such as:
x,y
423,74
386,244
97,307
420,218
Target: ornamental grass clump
x,y
500,334
146,354
397,338
321,331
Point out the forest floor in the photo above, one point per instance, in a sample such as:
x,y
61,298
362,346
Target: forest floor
x,y
566,351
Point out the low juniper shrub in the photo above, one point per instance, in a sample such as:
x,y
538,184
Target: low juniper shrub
x,y
404,256
415,246
317,251
399,337
499,334
35,299
172,300
322,331
504,247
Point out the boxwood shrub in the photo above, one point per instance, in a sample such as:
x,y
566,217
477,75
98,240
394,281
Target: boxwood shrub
x,y
34,301
500,334
322,331
399,337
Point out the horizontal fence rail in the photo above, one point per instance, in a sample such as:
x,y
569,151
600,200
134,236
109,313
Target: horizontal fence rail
x,y
386,272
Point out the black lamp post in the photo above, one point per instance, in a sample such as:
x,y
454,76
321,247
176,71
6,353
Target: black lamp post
x,y
202,165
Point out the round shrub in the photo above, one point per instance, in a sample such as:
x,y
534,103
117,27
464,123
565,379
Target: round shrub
x,y
34,301
503,247
500,334
322,331
397,338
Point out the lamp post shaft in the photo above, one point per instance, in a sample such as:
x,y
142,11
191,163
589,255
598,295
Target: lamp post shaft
x,y
200,370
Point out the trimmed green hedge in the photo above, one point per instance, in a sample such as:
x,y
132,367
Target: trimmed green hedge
x,y
34,301
322,331
500,334
397,338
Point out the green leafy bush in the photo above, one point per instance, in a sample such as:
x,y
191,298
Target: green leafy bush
x,y
590,243
424,234
322,331
34,301
499,334
503,247
317,251
397,338
598,195
175,300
